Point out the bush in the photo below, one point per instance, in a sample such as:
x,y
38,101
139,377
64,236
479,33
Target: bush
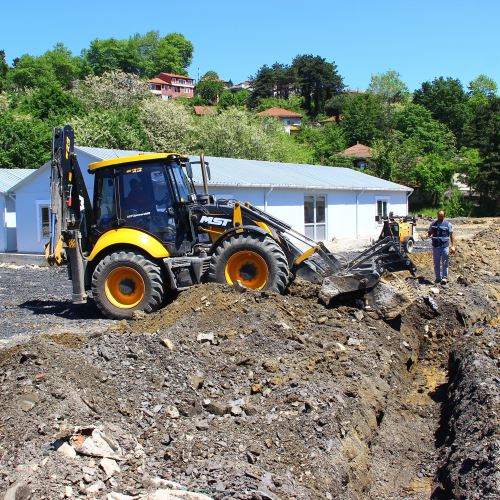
x,y
120,129
456,205
114,89
168,126
24,141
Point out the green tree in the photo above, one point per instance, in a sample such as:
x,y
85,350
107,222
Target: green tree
x,y
210,87
272,82
111,54
325,142
4,68
238,99
25,142
447,101
50,102
428,135
166,58
483,85
143,55
66,68
30,72
397,153
434,174
394,158
336,104
389,86
293,103
481,90
184,48
484,134
363,117
316,81
54,66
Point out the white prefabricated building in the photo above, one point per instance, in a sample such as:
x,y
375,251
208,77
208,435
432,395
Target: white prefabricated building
x,y
322,202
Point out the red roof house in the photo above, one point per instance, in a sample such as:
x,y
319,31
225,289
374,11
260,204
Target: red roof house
x,y
360,154
358,151
205,110
291,120
171,85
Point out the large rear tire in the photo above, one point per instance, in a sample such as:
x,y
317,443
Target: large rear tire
x,y
256,261
125,282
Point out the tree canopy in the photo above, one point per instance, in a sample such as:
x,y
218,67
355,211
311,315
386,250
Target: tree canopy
x,y
446,99
142,55
420,139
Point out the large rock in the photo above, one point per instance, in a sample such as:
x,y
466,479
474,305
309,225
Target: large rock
x,y
389,299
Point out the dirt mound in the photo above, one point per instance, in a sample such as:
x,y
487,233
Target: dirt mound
x,y
253,395
471,436
228,393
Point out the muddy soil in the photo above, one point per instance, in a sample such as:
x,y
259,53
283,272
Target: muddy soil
x,y
256,395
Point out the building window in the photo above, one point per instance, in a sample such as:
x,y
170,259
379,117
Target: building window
x,y
187,91
44,222
315,217
382,208
164,87
182,82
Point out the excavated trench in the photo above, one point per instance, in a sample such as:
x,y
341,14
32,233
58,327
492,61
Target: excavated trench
x,y
255,395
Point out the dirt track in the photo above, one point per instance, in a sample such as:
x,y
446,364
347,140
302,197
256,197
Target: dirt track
x,y
254,395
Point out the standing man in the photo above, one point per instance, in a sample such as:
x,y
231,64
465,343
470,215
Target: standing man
x,y
441,232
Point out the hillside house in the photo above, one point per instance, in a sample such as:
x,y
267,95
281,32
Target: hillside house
x,y
360,154
171,86
204,110
246,85
290,119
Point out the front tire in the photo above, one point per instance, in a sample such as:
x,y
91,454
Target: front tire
x,y
125,282
256,261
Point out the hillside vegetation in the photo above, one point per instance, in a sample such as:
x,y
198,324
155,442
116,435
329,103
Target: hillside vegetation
x,y
419,139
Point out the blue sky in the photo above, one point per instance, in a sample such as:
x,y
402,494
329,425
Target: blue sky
x,y
421,39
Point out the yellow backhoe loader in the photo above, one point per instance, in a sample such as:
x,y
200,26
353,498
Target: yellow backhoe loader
x,y
148,231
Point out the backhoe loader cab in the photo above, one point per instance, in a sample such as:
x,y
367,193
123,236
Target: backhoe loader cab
x,y
148,231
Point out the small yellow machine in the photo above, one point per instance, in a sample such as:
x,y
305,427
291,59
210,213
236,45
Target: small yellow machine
x,y
399,228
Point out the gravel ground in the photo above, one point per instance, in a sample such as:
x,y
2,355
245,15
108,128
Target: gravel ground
x,y
36,300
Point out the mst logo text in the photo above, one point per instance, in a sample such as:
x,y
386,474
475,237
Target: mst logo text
x,y
214,221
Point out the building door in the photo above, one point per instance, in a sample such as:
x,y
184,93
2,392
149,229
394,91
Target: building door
x,y
315,217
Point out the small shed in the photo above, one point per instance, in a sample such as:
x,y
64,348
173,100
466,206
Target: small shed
x,y
322,202
9,177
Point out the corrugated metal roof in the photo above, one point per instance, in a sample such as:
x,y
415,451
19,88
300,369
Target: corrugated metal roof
x,y
255,173
9,177
106,154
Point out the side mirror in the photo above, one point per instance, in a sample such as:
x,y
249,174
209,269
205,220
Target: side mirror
x,y
189,170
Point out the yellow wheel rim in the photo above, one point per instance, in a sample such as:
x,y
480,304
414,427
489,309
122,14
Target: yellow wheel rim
x,y
249,268
124,287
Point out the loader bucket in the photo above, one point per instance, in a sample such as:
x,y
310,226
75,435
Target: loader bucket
x,y
339,276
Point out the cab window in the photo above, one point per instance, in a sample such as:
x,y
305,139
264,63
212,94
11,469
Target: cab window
x,y
104,199
147,201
